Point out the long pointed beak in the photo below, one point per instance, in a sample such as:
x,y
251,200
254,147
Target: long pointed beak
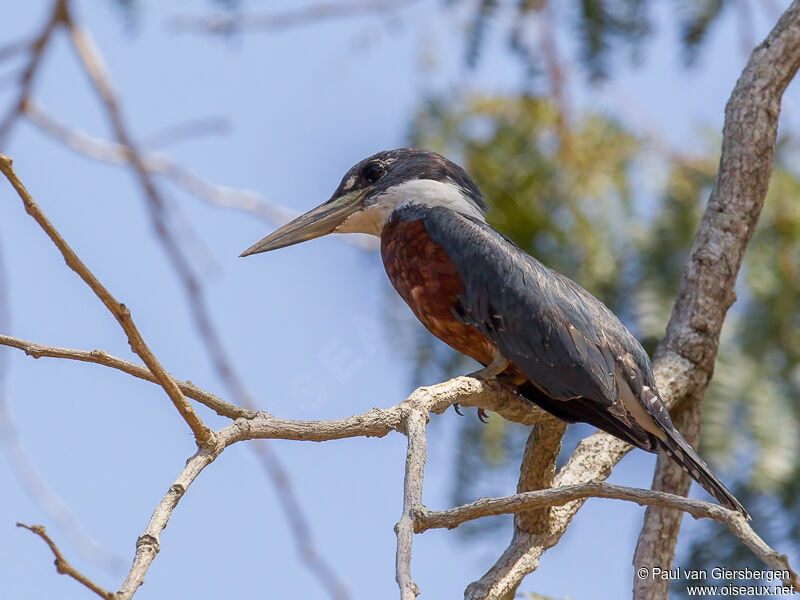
x,y
317,222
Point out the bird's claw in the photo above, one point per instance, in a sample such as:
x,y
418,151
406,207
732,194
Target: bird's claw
x,y
482,416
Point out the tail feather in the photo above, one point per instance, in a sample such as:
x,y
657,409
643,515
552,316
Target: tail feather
x,y
682,453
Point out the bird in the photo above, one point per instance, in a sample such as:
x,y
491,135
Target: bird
x,y
534,330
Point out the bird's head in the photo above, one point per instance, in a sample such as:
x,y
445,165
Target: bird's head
x,y
373,189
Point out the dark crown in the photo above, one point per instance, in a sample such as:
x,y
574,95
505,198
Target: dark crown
x,y
408,164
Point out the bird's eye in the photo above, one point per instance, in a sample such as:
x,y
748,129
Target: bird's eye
x,y
374,171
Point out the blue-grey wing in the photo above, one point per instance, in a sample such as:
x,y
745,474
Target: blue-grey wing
x,y
565,340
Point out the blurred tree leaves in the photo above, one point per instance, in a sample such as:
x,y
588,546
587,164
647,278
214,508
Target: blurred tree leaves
x,y
602,29
617,213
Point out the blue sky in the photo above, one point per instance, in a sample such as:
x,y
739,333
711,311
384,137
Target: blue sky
x,y
304,106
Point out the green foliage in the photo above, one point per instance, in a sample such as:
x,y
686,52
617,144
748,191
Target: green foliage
x,y
599,29
696,17
602,28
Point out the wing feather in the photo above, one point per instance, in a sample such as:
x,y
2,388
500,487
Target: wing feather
x,y
565,340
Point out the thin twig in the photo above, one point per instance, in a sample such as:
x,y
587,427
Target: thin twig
x,y
297,522
158,164
12,49
281,21
149,543
37,47
121,313
25,470
246,201
186,130
63,567
699,509
43,496
100,357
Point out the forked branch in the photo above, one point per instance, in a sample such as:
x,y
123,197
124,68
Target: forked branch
x,y
699,509
203,435
63,567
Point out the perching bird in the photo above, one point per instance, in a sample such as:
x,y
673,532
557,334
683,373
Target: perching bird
x,y
532,328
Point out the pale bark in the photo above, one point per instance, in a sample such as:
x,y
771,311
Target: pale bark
x,y
707,286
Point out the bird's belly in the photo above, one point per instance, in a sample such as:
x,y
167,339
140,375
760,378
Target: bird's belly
x,y
425,277
446,327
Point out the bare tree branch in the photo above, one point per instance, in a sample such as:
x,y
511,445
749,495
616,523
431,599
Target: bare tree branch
x,y
464,390
158,164
379,422
245,201
121,313
149,542
297,522
558,496
63,567
412,501
37,48
225,22
374,423
538,468
100,357
261,425
186,130
537,471
43,496
12,49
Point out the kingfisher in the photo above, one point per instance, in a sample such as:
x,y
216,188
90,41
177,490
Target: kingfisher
x,y
534,330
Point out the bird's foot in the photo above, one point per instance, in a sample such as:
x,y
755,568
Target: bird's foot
x,y
498,365
457,408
